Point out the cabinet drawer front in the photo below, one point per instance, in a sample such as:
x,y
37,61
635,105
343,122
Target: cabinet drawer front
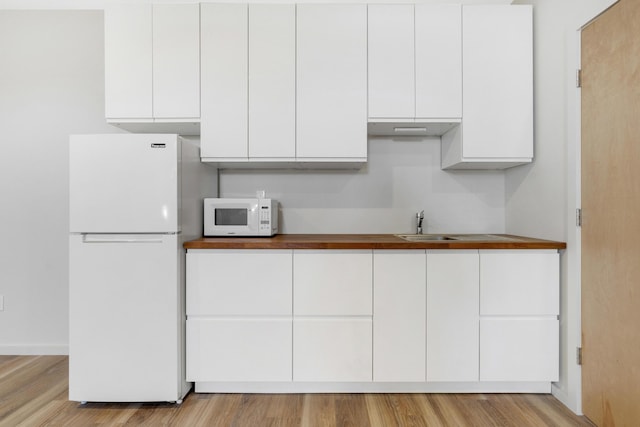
x,y
239,350
334,283
523,349
239,282
332,350
519,282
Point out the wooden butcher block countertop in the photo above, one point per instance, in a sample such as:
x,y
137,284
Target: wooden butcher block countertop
x,y
374,241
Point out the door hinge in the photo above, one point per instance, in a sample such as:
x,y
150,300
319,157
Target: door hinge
x,y
579,355
578,217
578,78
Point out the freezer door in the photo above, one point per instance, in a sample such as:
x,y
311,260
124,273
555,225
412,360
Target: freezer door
x,y
126,318
124,183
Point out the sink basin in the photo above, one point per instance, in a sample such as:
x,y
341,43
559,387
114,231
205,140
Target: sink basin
x,y
425,237
459,238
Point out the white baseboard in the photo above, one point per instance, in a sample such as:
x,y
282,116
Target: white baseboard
x,y
563,397
34,350
295,387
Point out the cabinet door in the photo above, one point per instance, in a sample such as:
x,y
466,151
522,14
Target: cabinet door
x,y
521,282
239,349
224,68
127,61
498,81
239,282
399,315
331,98
335,349
332,283
391,61
519,349
452,315
272,81
438,63
176,61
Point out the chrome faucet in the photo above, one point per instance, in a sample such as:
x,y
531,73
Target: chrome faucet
x,y
420,217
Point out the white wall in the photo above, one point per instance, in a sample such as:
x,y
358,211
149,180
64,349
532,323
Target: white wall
x,y
51,85
401,178
541,198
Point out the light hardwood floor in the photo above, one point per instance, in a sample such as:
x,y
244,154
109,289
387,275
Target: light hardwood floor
x,y
33,392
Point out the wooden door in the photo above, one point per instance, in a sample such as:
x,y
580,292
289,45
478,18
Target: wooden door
x,y
611,216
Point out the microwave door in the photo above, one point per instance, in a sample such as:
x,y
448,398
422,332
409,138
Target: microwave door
x,y
232,220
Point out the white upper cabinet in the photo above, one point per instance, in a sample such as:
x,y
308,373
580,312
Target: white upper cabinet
x,y
497,122
152,67
225,64
272,81
415,69
331,62
438,40
392,91
176,61
127,62
248,82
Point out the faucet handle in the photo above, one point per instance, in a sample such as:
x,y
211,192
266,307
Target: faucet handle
x,y
420,215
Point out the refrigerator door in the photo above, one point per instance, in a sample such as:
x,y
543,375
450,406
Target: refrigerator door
x,y
126,319
124,183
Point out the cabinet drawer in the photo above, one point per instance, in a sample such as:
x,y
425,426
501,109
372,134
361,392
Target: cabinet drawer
x,y
524,349
332,283
519,282
239,350
332,350
239,282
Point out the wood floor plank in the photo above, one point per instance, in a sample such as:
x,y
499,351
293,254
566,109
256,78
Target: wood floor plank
x,y
319,410
34,392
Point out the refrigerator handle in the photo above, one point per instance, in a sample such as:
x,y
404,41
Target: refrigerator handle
x,y
122,238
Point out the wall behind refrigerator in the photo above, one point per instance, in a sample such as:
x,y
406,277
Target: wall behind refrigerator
x,y
51,85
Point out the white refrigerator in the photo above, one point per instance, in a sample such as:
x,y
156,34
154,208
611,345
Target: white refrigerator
x,y
134,200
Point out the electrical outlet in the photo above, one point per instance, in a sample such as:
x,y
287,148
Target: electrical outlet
x,y
1,302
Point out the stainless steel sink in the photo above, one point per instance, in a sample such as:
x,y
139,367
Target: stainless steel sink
x,y
425,237
460,238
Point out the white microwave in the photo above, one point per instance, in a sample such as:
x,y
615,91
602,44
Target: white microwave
x,y
240,217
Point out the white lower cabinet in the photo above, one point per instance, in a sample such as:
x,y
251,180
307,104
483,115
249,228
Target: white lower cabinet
x,y
332,349
332,326
519,349
452,315
332,283
250,349
399,313
443,320
239,324
519,308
